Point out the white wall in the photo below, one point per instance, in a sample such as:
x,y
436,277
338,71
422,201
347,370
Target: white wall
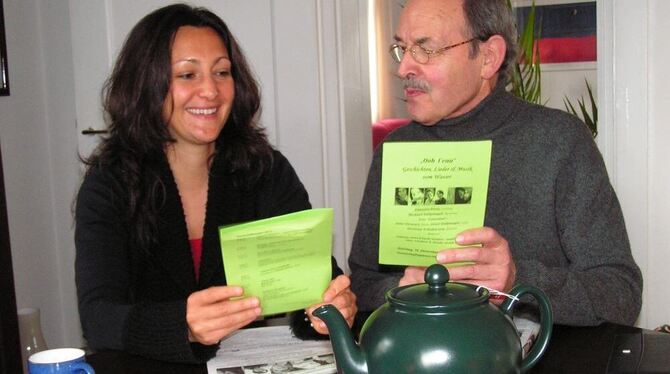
x,y
633,111
657,275
568,79
39,152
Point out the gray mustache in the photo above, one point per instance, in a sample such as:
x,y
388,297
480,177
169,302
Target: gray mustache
x,y
416,84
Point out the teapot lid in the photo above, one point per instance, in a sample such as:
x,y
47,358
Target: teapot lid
x,y
437,294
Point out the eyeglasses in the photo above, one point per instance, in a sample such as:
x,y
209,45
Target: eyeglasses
x,y
419,53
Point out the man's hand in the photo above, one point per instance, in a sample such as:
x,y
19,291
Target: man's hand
x,y
339,295
211,315
413,275
493,264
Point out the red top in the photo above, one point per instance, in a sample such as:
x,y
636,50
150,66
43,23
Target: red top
x,y
196,252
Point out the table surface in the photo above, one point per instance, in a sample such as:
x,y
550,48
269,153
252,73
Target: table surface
x,y
571,350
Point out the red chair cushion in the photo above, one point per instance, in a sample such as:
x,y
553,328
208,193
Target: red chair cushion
x,y
384,126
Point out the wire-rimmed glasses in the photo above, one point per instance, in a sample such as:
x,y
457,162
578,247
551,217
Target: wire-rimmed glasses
x,y
419,53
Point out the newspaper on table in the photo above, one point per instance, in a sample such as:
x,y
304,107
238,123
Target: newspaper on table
x,y
269,350
528,331
274,349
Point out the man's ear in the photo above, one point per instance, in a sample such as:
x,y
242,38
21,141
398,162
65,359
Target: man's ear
x,y
494,53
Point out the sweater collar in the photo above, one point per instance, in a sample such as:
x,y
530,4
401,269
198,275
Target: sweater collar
x,y
483,119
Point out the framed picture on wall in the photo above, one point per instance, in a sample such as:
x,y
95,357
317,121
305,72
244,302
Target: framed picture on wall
x,y
4,70
567,29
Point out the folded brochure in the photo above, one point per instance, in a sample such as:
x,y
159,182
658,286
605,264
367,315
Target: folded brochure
x,y
285,261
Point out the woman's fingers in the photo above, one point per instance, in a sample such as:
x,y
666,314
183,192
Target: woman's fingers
x,y
211,331
336,286
340,296
215,294
212,315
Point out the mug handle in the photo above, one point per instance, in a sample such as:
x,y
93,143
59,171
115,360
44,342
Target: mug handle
x,y
86,368
546,322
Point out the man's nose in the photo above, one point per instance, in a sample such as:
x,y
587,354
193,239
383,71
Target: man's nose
x,y
407,65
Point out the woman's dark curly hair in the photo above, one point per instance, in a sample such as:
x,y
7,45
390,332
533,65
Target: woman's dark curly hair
x,y
133,99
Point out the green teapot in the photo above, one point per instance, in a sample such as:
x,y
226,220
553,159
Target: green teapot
x,y
438,327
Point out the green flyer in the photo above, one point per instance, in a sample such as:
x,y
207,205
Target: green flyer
x,y
284,260
430,192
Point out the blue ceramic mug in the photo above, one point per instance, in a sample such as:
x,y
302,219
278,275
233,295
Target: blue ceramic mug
x,y
59,361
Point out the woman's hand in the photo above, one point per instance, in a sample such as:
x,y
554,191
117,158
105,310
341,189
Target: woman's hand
x,y
211,315
339,295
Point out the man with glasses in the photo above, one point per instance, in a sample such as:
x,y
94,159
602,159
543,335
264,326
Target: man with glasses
x,y
552,217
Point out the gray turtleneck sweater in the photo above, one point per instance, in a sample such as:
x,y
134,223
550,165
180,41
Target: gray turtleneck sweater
x,y
549,195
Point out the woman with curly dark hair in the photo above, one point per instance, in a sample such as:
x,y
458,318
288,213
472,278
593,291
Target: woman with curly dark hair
x,y
184,155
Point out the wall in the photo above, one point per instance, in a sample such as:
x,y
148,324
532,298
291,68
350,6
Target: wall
x,y
39,152
637,143
658,277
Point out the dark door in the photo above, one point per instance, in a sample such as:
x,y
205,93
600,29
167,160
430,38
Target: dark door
x,y
10,352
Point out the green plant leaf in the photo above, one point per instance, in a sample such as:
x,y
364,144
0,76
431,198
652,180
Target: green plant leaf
x,y
594,103
526,75
590,119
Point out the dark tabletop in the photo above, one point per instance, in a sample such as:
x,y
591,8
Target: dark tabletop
x,y
571,350
580,349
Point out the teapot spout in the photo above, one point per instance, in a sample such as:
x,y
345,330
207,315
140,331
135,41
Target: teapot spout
x,y
348,354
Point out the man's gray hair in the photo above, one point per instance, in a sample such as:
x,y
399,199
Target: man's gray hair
x,y
486,18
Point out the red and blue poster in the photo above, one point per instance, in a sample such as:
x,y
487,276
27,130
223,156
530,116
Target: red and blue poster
x,y
567,31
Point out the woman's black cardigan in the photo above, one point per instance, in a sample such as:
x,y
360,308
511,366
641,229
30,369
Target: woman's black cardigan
x,y
135,300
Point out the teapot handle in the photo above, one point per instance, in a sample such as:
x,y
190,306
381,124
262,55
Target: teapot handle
x,y
546,321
